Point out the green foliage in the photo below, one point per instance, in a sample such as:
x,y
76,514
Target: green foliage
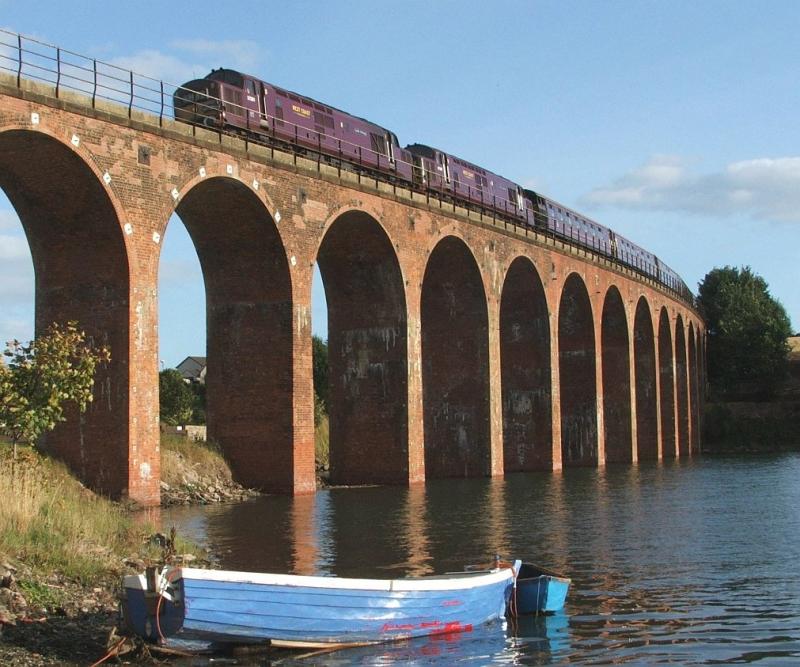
x,y
43,377
176,399
747,332
198,402
321,372
322,443
39,595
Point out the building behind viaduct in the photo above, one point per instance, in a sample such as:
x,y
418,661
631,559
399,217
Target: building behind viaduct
x,y
459,345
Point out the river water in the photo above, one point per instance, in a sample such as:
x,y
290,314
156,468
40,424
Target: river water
x,y
687,562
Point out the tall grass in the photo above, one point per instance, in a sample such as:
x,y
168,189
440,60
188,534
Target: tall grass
x,y
184,461
49,521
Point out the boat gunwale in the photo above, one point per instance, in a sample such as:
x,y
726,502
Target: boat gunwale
x,y
541,572
450,581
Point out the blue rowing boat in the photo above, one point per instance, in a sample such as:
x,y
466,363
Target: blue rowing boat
x,y
539,591
309,611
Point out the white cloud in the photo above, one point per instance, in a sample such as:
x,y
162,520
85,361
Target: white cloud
x,y
9,220
160,66
14,248
16,266
16,271
766,188
203,55
19,328
16,287
240,54
178,273
536,184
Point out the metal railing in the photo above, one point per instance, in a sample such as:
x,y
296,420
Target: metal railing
x,y
30,59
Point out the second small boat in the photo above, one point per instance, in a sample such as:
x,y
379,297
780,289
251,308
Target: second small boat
x,y
539,591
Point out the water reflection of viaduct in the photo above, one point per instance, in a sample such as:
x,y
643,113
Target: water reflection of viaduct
x,y
458,347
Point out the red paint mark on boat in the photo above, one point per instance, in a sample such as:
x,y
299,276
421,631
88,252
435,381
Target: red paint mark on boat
x,y
456,626
395,627
452,603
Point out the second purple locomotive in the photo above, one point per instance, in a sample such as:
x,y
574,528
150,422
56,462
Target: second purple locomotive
x,y
226,99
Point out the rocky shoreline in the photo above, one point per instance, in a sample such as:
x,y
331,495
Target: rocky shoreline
x,y
50,620
54,621
72,626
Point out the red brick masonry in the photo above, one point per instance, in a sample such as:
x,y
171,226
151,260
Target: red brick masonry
x,y
459,346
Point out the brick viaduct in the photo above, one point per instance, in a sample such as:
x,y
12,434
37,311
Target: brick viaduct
x,y
459,346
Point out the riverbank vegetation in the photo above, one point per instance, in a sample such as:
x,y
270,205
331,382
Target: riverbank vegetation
x,y
753,379
38,380
748,330
51,523
180,402
321,397
63,553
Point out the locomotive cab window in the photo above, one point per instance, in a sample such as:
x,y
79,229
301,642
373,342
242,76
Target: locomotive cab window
x,y
234,99
378,143
251,87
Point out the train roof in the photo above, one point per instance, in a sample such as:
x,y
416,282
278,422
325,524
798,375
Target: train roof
x,y
428,151
573,212
236,78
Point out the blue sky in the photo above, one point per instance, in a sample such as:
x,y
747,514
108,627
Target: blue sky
x,y
674,123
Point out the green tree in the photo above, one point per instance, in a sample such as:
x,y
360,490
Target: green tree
x,y
320,367
176,400
747,332
198,402
41,378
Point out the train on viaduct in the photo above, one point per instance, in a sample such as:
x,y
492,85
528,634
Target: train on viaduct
x,y
461,344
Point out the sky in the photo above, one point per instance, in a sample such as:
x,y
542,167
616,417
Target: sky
x,y
674,123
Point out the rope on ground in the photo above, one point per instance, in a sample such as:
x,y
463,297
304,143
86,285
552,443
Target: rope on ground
x,y
111,652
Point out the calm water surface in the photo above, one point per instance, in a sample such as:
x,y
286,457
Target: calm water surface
x,y
693,562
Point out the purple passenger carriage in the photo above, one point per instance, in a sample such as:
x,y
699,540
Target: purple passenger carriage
x,y
231,101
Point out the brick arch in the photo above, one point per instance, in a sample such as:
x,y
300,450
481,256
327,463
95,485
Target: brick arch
x,y
644,353
666,379
368,352
455,363
210,171
249,329
615,352
525,370
81,263
578,372
694,401
681,380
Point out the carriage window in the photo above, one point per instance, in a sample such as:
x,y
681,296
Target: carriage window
x,y
251,87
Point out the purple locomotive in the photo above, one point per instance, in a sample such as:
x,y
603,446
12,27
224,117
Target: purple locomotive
x,y
232,101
